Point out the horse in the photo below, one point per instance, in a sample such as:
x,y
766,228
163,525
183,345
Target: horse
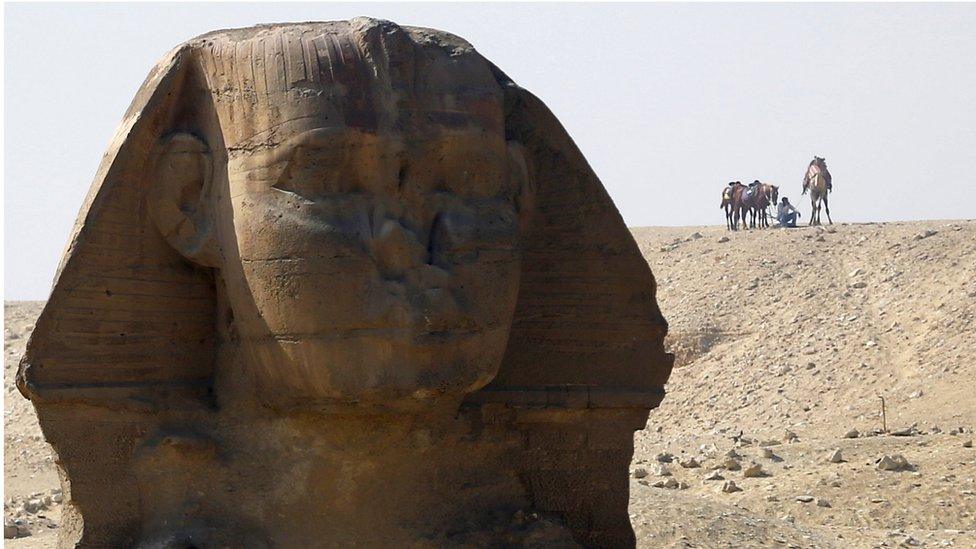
x,y
817,180
728,194
771,194
752,201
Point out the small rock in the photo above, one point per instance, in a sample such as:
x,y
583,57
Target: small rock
x,y
967,444
853,433
669,484
754,470
804,498
732,454
767,453
893,462
690,463
770,443
10,530
926,234
860,284
821,502
729,487
640,472
835,456
723,239
661,470
732,464
790,436
664,457
715,476
910,431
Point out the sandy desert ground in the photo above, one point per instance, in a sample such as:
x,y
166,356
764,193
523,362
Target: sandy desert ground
x,y
785,342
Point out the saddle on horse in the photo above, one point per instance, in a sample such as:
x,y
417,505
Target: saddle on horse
x,y
752,190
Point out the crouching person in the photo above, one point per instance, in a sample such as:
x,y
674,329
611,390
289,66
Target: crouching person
x,y
786,214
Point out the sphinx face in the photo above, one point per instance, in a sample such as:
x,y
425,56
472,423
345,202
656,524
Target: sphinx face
x,y
373,263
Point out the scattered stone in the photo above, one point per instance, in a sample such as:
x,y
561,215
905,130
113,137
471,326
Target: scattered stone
x,y
770,443
10,530
723,239
669,484
927,233
853,433
821,502
754,470
732,454
893,462
661,470
860,284
835,456
729,487
906,432
731,464
690,463
790,437
715,476
664,457
767,453
804,498
640,472
967,444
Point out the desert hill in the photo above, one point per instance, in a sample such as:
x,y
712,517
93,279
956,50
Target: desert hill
x,y
788,337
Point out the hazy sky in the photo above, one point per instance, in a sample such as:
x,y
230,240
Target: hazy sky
x,y
668,102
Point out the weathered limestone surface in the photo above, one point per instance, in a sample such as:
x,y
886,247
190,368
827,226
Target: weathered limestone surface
x,y
344,284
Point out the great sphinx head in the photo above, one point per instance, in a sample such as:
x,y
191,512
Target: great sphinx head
x,y
356,197
348,216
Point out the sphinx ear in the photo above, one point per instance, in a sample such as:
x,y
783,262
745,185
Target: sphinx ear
x,y
181,172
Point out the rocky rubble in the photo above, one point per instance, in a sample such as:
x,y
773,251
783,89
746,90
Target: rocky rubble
x,y
784,342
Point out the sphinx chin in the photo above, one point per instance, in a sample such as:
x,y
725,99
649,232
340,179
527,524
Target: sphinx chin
x,y
392,370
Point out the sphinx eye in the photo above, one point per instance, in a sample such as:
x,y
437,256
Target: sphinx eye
x,y
315,171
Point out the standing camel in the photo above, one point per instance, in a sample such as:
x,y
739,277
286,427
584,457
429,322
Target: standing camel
x,y
817,181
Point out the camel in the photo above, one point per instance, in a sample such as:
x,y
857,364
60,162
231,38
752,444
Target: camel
x,y
817,180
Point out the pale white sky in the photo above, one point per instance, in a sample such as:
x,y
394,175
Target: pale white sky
x,y
667,101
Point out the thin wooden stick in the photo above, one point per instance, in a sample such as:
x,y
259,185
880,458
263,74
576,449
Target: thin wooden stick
x,y
884,419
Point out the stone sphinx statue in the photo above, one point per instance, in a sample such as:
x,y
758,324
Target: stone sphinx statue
x,y
344,284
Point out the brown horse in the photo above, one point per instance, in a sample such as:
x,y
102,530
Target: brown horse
x,y
728,195
771,193
753,201
817,180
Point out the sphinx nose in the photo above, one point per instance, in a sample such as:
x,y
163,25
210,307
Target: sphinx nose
x,y
395,248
